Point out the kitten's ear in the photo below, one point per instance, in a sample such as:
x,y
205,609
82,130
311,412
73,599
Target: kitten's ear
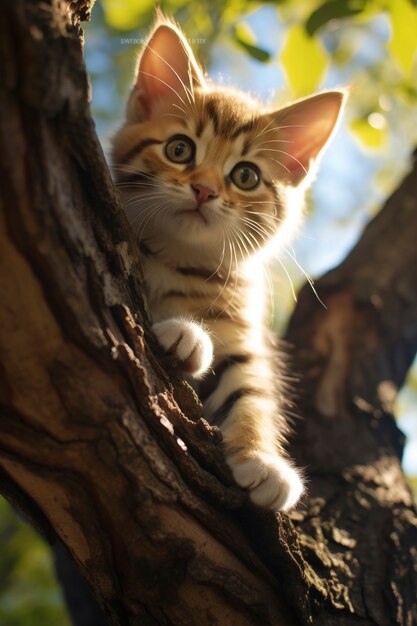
x,y
304,129
167,70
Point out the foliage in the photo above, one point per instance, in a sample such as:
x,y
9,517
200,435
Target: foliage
x,y
310,46
29,594
305,60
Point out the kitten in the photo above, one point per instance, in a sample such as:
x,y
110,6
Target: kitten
x,y
206,175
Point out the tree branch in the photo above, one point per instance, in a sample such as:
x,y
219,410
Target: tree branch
x,y
359,523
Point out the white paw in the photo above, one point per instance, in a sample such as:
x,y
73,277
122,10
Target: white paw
x,y
272,482
188,342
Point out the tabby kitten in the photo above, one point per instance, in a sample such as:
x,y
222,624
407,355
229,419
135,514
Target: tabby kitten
x,y
206,175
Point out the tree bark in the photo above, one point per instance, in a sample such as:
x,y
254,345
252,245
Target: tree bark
x,y
102,444
353,358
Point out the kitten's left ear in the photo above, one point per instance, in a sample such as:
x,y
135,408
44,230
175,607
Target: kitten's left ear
x,y
167,71
301,132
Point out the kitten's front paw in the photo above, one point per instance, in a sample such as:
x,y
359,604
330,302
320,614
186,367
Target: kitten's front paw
x,y
188,342
272,482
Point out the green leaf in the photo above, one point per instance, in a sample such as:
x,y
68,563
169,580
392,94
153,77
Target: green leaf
x,y
29,594
403,42
368,135
126,14
244,37
304,59
335,9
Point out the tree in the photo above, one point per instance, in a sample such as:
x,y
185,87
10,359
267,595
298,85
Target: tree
x,y
102,444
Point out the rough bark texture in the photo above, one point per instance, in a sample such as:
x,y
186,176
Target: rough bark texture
x,y
359,527
101,443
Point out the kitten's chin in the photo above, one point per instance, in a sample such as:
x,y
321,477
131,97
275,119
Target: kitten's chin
x,y
193,226
194,216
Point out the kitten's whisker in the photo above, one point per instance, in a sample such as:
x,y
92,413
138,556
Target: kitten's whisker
x,y
283,152
258,224
265,215
221,257
162,210
169,87
234,257
177,106
270,130
247,220
266,235
255,249
246,204
142,179
277,141
144,218
144,212
144,184
239,241
231,253
294,295
142,206
270,284
263,131
227,278
126,187
281,164
306,275
126,166
131,168
244,253
141,175
245,207
236,274
266,129
172,115
151,196
154,210
150,211
269,220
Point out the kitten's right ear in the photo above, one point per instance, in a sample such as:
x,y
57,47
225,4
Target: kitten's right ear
x,y
304,128
167,70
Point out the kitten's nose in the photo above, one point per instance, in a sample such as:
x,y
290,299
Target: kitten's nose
x,y
203,193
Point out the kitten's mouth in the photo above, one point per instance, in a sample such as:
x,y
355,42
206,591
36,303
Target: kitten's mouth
x,y
196,213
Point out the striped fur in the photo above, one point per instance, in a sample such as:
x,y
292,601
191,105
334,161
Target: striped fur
x,y
204,289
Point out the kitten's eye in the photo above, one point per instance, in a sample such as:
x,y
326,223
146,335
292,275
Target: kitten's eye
x,y
180,149
245,176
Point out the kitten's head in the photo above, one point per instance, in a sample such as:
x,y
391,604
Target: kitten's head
x,y
209,167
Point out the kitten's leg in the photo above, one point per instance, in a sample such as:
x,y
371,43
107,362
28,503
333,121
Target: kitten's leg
x,y
246,406
188,342
255,455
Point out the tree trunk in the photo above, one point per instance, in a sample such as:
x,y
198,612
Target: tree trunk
x,y
102,444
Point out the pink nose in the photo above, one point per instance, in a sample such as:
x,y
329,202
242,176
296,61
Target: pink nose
x,y
203,193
